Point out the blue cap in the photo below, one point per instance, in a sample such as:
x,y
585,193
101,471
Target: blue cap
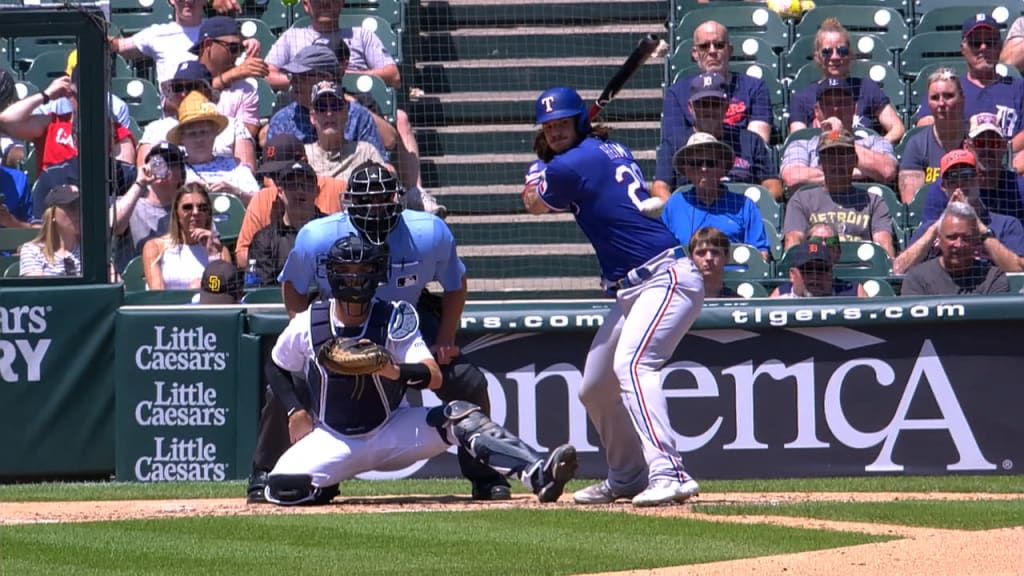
x,y
979,20
215,28
829,84
708,85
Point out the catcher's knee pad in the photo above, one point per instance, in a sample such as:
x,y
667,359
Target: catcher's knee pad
x,y
293,490
485,439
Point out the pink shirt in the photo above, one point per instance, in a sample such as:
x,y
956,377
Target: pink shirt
x,y
240,101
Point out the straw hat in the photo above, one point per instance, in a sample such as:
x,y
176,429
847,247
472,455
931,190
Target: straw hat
x,y
196,108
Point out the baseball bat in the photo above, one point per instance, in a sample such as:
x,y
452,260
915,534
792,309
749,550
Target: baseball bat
x,y
643,51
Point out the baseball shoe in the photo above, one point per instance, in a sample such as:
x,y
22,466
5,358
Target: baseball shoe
x,y
326,494
492,492
667,491
255,493
600,493
558,469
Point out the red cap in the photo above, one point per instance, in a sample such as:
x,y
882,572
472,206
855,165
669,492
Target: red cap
x,y
955,157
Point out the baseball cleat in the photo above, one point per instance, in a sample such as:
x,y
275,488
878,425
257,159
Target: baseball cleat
x,y
600,493
254,493
666,491
492,492
558,469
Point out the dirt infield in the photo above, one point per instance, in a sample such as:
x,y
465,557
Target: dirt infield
x,y
924,551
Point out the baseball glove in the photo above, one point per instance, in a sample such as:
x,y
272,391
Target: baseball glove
x,y
352,356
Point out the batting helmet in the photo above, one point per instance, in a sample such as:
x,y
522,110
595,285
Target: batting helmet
x,y
372,201
562,102
354,284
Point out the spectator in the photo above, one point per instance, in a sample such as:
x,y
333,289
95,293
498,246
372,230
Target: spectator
x,y
145,209
367,56
168,43
825,234
1002,236
873,110
219,46
221,284
708,103
875,159
856,213
999,188
920,162
331,154
957,270
270,246
56,251
12,150
709,250
310,65
749,106
810,273
117,111
15,199
984,89
233,141
1013,49
281,154
176,260
198,126
704,161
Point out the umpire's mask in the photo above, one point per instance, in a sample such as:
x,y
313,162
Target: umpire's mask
x,y
373,201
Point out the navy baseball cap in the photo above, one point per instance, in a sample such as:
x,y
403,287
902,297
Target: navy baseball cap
x,y
829,84
215,28
979,20
173,153
281,153
315,58
809,251
708,85
193,70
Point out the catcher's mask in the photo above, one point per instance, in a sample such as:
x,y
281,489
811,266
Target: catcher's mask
x,y
373,201
355,268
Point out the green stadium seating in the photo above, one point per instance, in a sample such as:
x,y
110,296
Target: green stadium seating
x,y
776,91
945,18
884,74
887,24
742,19
391,39
159,297
918,91
929,48
859,260
13,270
47,66
141,96
771,211
746,49
260,30
276,15
28,48
865,47
1016,282
877,287
134,15
902,144
133,276
916,208
265,295
383,94
902,6
12,238
774,240
267,97
897,210
747,289
228,213
746,263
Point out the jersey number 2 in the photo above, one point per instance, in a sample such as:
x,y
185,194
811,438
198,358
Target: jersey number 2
x,y
633,178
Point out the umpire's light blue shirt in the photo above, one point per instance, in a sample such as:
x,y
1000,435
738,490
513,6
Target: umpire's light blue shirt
x,y
422,249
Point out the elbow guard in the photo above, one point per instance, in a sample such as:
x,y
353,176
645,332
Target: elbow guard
x,y
414,375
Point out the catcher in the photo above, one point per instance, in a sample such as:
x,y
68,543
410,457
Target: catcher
x,y
360,355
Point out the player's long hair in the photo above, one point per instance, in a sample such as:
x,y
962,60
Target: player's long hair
x,y
545,153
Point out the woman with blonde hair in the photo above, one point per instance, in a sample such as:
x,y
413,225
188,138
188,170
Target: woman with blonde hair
x,y
176,260
56,250
832,54
925,148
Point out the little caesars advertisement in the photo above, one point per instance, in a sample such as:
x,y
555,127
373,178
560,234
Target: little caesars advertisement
x,y
176,394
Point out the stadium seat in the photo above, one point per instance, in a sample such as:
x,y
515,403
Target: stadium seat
x,y
134,15
159,297
742,19
902,144
228,213
902,6
859,260
28,48
746,289
267,97
947,15
884,74
260,30
13,270
916,208
929,48
133,276
774,240
141,96
1016,282
771,211
877,287
24,88
918,91
390,11
801,134
897,209
865,47
47,66
276,15
888,25
746,263
391,39
746,49
265,295
12,238
383,94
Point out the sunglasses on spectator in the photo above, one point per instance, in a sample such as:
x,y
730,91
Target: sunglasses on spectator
x,y
232,47
842,51
961,174
204,208
718,45
703,163
330,105
830,241
182,87
992,142
991,42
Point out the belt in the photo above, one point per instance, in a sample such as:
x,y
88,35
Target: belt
x,y
641,274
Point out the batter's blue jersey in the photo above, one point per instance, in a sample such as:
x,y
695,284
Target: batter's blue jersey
x,y
421,246
603,186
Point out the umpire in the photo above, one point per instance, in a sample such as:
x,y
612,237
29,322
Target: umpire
x,y
422,250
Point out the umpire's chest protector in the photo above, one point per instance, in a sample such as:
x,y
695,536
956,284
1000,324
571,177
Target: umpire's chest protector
x,y
351,405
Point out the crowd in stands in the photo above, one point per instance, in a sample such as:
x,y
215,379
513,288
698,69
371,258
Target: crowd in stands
x,y
718,130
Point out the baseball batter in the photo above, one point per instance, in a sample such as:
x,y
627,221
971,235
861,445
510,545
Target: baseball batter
x,y
361,423
658,295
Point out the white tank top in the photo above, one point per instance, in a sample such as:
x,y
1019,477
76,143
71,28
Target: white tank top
x,y
182,266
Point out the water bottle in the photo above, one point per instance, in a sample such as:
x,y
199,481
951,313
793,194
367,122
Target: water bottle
x,y
252,276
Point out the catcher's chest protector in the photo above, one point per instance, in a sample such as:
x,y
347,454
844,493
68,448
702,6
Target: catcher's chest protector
x,y
351,405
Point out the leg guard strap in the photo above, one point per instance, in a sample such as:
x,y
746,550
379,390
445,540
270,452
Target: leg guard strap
x,y
292,490
484,439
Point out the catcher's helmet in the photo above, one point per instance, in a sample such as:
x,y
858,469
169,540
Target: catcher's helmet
x,y
372,201
562,102
356,285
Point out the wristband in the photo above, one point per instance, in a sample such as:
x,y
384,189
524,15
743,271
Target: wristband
x,y
416,376
46,97
292,411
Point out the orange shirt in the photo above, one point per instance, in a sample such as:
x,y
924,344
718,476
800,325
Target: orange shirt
x,y
265,206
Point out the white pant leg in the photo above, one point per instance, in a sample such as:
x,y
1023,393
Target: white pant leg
x,y
406,439
600,395
658,314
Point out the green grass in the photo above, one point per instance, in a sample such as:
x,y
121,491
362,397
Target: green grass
x,y
561,541
951,515
58,491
